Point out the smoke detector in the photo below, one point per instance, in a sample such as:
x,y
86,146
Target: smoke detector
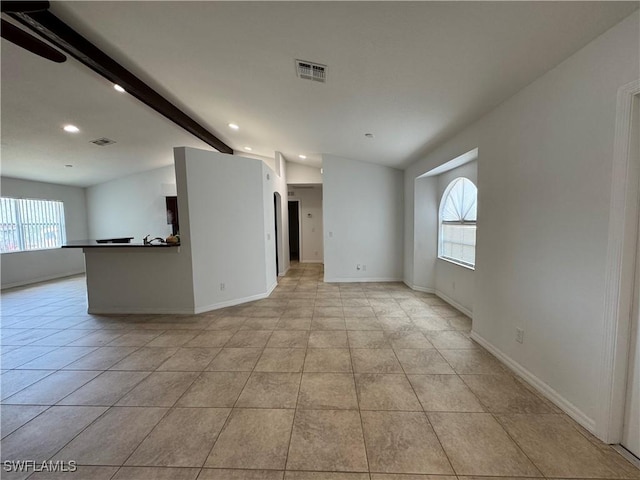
x,y
103,142
311,71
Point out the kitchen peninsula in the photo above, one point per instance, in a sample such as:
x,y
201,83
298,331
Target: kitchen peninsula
x,y
227,251
133,277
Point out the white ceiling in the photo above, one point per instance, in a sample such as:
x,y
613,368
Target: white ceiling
x,y
410,73
39,97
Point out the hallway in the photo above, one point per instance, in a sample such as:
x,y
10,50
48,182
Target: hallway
x,y
370,380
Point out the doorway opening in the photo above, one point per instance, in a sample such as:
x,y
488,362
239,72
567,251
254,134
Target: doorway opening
x,y
631,427
620,389
278,228
294,230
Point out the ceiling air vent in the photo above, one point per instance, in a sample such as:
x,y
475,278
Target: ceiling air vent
x,y
311,71
103,142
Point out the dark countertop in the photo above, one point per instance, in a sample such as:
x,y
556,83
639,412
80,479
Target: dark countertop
x,y
95,244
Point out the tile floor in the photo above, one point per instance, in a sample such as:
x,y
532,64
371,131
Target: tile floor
x,y
317,382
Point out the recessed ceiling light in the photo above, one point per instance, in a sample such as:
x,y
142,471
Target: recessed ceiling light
x,y
248,149
233,126
302,157
368,135
71,129
118,88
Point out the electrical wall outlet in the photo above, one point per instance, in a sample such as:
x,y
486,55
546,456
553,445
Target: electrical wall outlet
x,y
364,267
519,335
222,287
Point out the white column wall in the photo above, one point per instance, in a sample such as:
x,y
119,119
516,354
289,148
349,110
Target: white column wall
x,y
225,201
283,234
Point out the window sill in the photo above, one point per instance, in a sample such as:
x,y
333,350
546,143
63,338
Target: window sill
x,y
449,260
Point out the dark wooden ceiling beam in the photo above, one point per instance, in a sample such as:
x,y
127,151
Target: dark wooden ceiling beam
x,y
51,28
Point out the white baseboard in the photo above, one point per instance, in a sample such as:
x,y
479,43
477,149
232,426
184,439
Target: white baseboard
x,y
362,280
544,389
139,311
272,288
310,261
454,304
179,311
419,289
285,271
629,457
236,301
444,297
31,281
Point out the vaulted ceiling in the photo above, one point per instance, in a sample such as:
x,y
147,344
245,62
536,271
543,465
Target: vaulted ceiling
x,y
409,73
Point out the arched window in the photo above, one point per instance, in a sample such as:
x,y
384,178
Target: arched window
x,y
458,215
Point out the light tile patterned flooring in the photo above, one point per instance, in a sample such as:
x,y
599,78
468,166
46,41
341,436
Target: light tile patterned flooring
x,y
317,382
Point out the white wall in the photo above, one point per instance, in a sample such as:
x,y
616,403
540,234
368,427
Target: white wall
x,y
226,208
269,161
311,248
421,235
132,206
455,283
544,178
269,178
298,174
280,186
363,221
22,268
279,165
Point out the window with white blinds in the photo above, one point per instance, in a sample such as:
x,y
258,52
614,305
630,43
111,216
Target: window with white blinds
x,y
31,224
458,218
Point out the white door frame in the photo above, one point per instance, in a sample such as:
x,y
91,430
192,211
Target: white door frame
x,y
280,233
621,249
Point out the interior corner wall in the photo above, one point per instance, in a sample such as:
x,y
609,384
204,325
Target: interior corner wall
x,y
544,188
298,174
363,221
455,283
409,231
22,268
310,197
132,206
226,228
